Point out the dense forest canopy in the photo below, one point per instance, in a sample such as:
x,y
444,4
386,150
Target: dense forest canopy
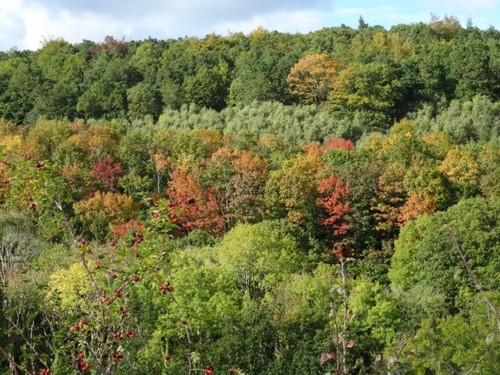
x,y
379,75
322,203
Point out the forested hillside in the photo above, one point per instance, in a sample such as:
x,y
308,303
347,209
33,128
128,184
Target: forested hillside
x,y
267,203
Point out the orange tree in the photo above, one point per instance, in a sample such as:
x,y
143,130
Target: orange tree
x,y
312,76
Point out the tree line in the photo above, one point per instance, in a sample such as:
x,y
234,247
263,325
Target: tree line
x,y
375,74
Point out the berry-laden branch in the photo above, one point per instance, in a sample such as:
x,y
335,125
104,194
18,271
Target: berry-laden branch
x,y
95,334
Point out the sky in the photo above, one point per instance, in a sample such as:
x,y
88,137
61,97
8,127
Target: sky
x,y
28,24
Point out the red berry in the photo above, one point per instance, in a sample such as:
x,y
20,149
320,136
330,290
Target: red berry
x,y
71,182
84,366
84,242
118,335
114,275
97,265
109,301
130,334
32,207
184,321
118,293
136,278
174,218
6,181
112,243
155,215
122,309
84,322
40,165
75,327
80,357
167,357
209,370
166,287
137,255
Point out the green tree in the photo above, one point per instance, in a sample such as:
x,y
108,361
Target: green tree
x,y
209,86
427,266
374,87
106,84
62,72
426,259
146,60
260,72
437,84
473,120
469,65
144,100
19,78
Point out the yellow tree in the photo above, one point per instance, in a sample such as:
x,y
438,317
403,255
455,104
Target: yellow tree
x,y
461,167
312,76
102,213
291,191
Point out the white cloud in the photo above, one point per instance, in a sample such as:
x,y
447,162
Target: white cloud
x,y
292,22
464,5
364,11
11,25
42,25
27,23
10,6
386,16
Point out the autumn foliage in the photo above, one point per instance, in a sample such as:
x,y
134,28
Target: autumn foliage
x,y
334,195
241,204
105,211
198,206
312,77
107,172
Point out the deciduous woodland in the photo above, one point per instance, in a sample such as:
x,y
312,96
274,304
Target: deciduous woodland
x,y
322,203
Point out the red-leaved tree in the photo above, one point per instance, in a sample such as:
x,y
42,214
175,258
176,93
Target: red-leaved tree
x,y
339,144
198,206
107,171
334,200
